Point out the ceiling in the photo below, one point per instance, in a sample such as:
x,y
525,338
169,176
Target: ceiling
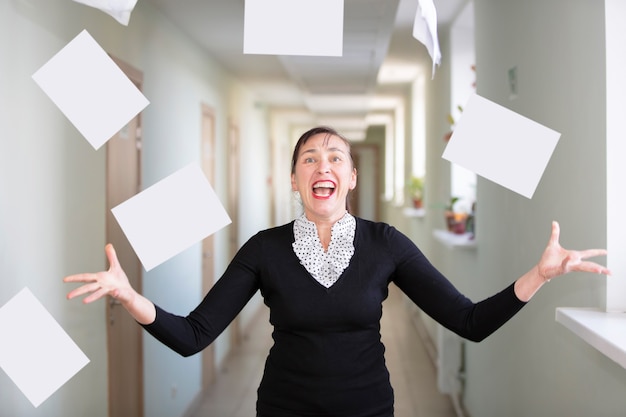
x,y
380,56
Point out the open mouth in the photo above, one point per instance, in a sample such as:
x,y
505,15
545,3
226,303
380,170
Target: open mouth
x,y
323,189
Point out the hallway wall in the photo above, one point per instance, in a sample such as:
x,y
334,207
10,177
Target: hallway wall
x,y
533,365
52,217
52,206
543,368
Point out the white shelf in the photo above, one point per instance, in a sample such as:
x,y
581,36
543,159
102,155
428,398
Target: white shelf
x,y
453,240
604,331
413,212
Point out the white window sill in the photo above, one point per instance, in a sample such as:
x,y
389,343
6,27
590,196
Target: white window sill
x,y
413,212
453,240
604,331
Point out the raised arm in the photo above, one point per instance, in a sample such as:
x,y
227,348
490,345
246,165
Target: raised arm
x,y
556,261
114,283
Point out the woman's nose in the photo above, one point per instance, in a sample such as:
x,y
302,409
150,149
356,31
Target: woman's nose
x,y
323,166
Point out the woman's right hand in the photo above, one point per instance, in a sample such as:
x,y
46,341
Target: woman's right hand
x,y
112,282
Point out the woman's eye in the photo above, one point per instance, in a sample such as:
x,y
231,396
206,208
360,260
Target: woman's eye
x,y
308,160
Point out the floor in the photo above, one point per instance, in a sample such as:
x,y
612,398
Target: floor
x,y
413,374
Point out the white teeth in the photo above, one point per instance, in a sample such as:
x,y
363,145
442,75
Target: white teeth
x,y
324,184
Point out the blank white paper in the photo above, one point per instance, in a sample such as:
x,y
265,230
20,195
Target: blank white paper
x,y
288,27
425,30
35,351
501,145
90,89
171,216
120,10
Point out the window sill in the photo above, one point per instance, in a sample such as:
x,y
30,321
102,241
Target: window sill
x,y
453,240
604,331
413,212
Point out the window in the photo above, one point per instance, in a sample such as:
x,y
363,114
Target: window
x,y
615,110
463,75
418,133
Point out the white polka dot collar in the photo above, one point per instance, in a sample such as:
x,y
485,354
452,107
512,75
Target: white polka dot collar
x,y
325,267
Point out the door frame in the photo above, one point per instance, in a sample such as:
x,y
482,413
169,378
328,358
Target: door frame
x,y
207,153
233,208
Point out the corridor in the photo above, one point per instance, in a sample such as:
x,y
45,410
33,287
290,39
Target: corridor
x,y
413,374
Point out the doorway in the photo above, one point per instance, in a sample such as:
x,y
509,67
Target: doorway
x,y
124,336
365,199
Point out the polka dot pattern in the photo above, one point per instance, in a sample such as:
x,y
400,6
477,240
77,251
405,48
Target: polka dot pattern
x,y
325,266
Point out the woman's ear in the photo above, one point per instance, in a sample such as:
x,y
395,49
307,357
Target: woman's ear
x,y
353,180
293,183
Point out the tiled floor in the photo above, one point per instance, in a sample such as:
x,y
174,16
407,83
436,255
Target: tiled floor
x,y
413,375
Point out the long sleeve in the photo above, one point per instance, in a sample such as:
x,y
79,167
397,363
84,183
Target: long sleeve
x,y
190,334
438,297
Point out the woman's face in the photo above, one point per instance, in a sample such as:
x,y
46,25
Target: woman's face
x,y
323,176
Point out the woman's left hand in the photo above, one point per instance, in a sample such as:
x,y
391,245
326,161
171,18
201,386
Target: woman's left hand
x,y
557,261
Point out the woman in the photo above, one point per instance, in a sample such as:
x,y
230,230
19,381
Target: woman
x,y
324,277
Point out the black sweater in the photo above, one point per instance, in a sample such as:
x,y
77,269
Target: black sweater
x,y
327,358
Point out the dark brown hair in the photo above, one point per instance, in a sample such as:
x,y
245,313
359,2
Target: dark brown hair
x,y
328,131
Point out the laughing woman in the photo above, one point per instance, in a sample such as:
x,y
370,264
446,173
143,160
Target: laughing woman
x,y
324,277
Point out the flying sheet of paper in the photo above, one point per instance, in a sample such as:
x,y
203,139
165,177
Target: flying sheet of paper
x,y
287,27
90,89
35,351
501,145
171,215
425,30
120,10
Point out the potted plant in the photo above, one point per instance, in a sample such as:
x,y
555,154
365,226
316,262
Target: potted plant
x,y
457,213
449,213
416,190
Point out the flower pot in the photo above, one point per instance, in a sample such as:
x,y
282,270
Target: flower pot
x,y
456,222
449,216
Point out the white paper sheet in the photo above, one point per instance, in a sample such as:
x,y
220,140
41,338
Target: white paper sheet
x,y
501,145
120,10
170,216
425,30
90,89
35,351
288,27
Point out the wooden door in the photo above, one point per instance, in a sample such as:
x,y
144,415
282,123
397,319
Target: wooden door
x,y
124,337
208,167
